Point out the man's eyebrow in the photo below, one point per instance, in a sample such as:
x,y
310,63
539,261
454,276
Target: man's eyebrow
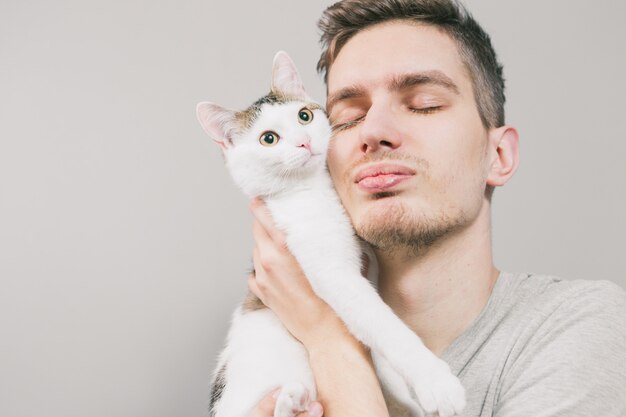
x,y
346,93
404,81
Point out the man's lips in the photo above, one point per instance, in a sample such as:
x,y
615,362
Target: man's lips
x,y
382,177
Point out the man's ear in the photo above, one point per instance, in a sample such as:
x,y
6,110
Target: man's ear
x,y
217,122
503,154
285,77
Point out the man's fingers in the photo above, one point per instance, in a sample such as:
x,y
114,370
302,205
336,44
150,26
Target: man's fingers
x,y
265,407
254,287
266,252
262,214
260,234
253,282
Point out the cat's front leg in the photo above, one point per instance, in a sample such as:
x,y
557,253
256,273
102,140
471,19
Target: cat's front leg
x,y
373,322
396,391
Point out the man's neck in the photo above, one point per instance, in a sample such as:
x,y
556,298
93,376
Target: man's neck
x,y
440,291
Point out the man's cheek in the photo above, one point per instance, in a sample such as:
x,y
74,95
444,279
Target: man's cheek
x,y
333,165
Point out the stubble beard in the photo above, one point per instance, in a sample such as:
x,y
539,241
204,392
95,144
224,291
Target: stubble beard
x,y
399,228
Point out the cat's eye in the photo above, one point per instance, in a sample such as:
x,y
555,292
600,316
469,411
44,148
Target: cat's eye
x,y
269,138
305,116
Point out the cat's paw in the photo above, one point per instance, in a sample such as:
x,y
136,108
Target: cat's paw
x,y
293,399
438,391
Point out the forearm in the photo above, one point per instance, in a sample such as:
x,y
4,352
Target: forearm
x,y
344,373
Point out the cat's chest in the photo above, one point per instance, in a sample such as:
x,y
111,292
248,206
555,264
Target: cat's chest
x,y
311,211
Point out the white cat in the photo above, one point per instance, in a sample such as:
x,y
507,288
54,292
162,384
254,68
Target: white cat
x,y
276,149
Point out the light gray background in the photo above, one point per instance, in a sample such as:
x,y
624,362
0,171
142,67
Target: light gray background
x,y
124,245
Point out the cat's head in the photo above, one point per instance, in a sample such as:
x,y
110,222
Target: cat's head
x,y
278,141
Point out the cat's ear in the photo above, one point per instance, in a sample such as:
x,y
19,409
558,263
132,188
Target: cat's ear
x,y
285,77
217,122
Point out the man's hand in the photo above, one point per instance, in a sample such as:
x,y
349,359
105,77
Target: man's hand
x,y
282,286
265,407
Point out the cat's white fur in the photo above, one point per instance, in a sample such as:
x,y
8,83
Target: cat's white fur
x,y
260,353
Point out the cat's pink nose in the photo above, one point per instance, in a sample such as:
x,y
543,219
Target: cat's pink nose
x,y
306,145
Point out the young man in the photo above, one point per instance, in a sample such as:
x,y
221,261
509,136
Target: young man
x,y
415,95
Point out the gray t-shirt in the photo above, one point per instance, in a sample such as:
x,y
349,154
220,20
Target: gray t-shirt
x,y
544,346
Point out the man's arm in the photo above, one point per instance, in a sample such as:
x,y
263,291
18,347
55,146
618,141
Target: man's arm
x,y
344,373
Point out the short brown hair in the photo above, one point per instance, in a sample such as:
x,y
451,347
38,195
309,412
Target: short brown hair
x,y
344,19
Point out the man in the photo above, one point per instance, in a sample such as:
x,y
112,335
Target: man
x,y
416,93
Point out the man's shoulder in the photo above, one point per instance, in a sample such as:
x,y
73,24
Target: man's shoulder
x,y
564,321
528,308
544,342
549,315
570,347
546,295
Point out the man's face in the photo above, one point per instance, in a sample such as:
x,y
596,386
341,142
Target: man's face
x,y
409,153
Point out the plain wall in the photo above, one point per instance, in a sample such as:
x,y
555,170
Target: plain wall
x,y
124,245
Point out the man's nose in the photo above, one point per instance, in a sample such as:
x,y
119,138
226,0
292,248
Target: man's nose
x,y
379,129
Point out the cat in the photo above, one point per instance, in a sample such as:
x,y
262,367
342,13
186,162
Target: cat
x,y
276,150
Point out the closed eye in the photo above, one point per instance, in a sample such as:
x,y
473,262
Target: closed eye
x,y
425,110
347,125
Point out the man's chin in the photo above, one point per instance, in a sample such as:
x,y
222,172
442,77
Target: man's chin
x,y
392,225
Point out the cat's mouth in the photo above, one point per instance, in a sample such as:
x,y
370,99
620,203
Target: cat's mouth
x,y
305,161
313,158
